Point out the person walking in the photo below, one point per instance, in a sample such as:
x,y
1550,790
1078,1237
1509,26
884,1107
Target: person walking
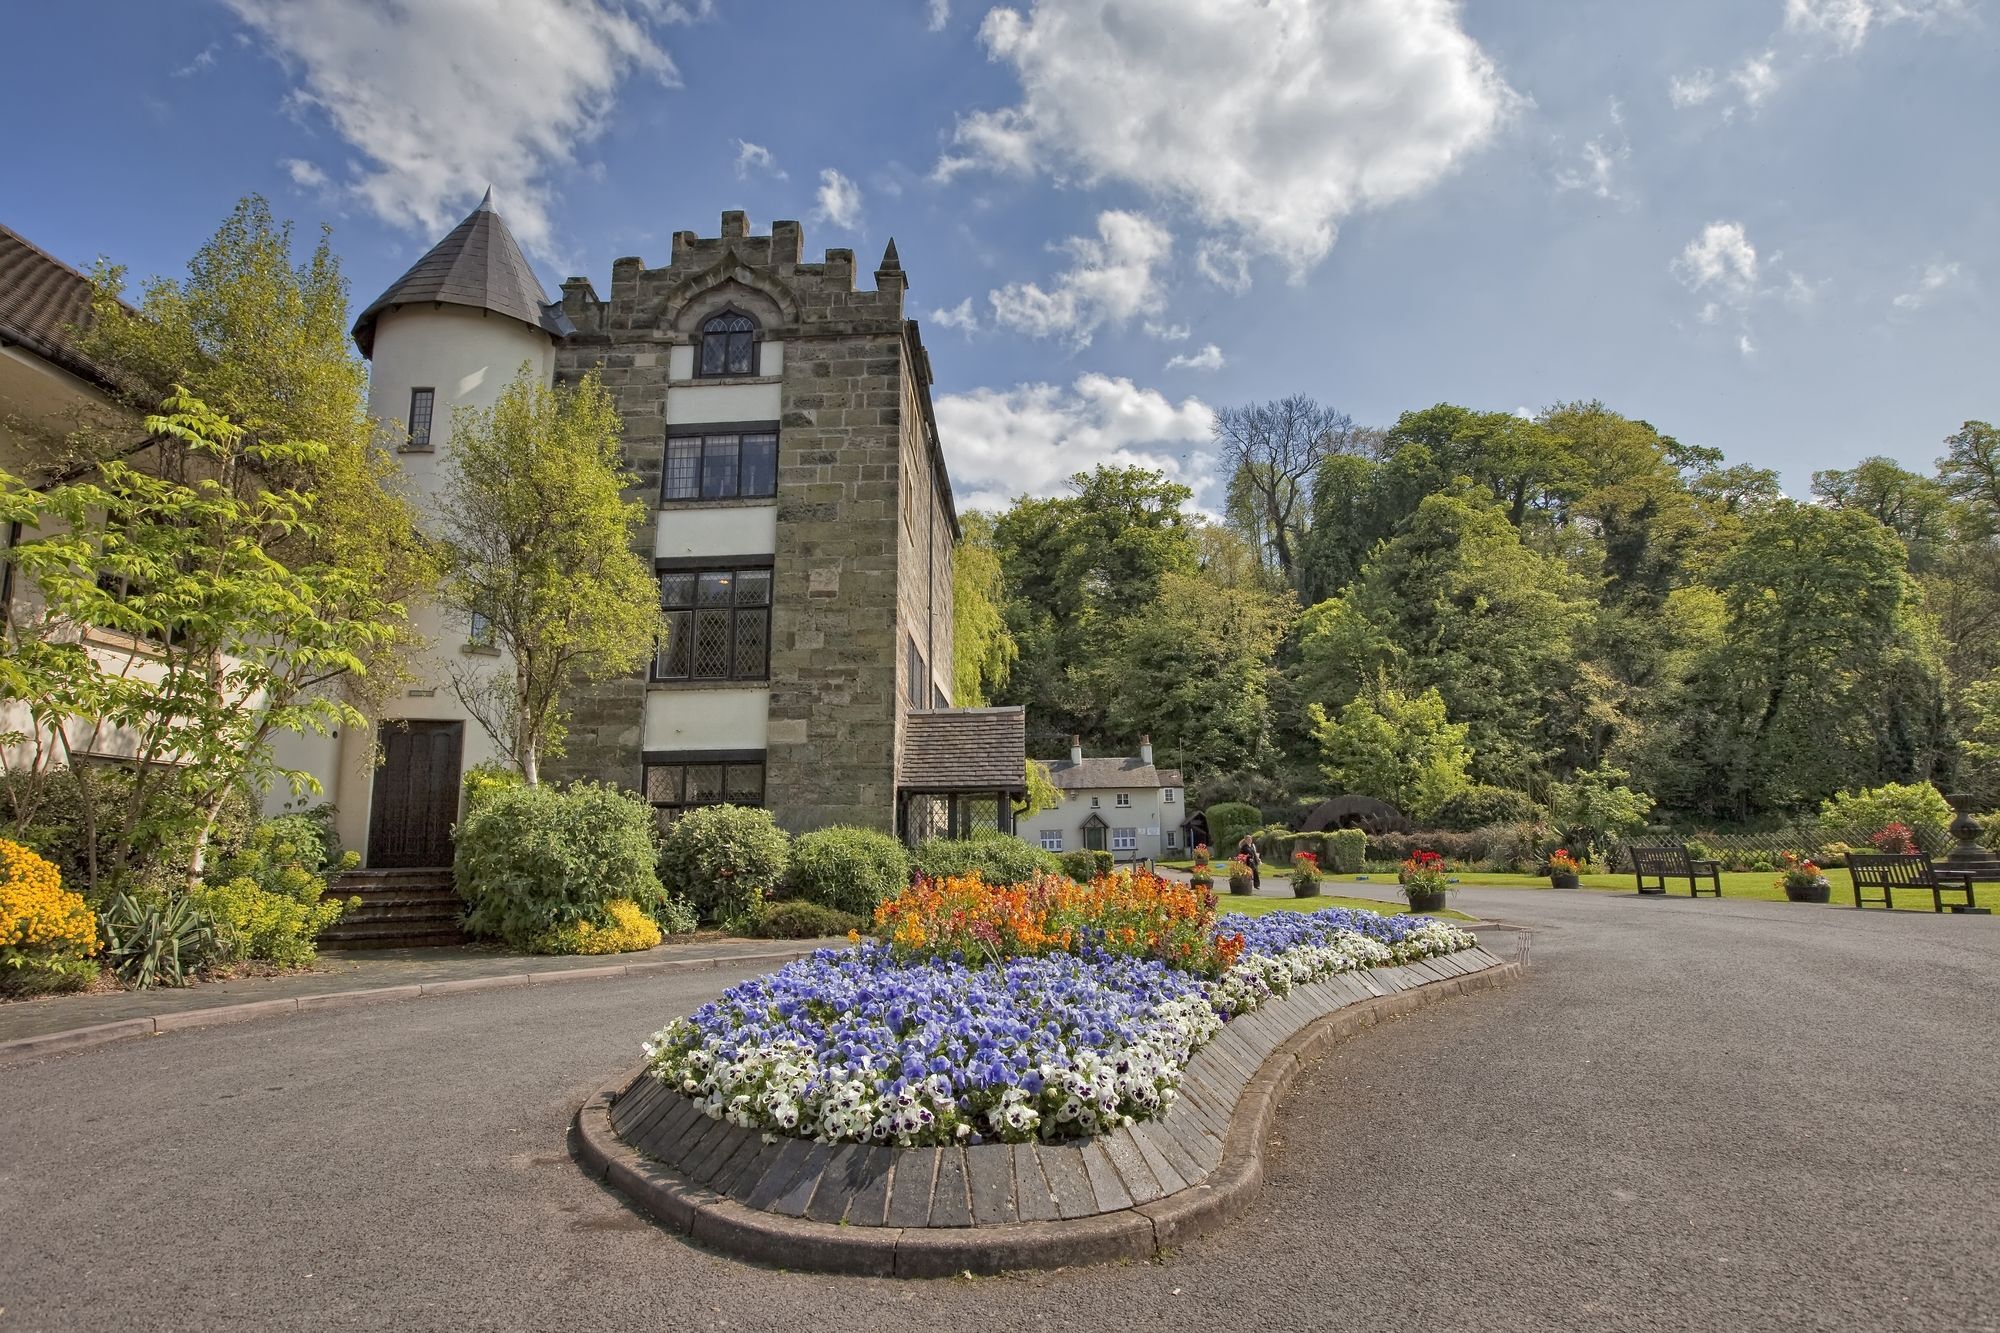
x,y
1246,851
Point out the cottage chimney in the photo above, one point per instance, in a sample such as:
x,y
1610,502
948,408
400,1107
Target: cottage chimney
x,y
1076,749
1146,751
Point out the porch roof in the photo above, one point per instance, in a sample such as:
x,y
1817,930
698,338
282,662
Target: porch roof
x,y
964,750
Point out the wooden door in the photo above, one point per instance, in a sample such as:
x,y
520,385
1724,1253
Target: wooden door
x,y
416,795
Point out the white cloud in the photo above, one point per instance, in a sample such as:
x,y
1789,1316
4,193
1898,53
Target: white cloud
x,y
1720,260
518,86
839,200
1745,346
1111,281
204,60
1225,265
1691,89
1168,333
958,317
1208,358
1935,278
1601,158
1846,22
940,14
1033,437
304,174
756,157
1274,119
1756,78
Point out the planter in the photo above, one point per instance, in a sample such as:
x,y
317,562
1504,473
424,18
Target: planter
x,y
1242,888
1305,890
1810,893
1425,900
1564,880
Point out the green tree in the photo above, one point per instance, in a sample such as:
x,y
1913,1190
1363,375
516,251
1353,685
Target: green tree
x,y
1596,809
983,651
1271,452
1970,469
1402,748
228,644
1918,509
537,537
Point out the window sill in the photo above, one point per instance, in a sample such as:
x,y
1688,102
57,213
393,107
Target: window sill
x,y
698,380
416,449
728,502
761,683
479,650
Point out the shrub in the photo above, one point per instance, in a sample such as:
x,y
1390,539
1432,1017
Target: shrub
x,y
161,849
533,860
1305,875
798,919
674,917
1854,815
847,869
267,898
723,859
1897,839
152,941
1228,821
1517,847
1103,862
997,858
1595,809
484,780
47,934
630,930
1346,850
1395,848
1081,866
1481,805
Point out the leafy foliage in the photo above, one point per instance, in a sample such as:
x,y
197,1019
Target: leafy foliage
x,y
1596,809
1398,747
1480,805
795,919
1346,850
1228,821
157,941
723,860
531,861
266,898
847,869
983,649
1918,806
997,858
47,933
629,929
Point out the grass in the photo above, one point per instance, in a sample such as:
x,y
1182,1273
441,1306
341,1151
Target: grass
x,y
1258,906
1761,885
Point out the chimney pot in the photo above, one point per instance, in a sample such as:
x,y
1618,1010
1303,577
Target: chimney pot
x,y
1076,749
1146,749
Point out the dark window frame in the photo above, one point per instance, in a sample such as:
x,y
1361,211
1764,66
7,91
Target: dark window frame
x,y
733,771
420,423
678,662
741,449
740,338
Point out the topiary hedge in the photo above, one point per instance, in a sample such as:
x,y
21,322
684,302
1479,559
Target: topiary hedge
x,y
1228,821
999,858
847,869
1082,866
723,859
1346,851
535,860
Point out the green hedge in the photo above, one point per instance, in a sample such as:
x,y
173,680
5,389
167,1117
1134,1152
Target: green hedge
x,y
1228,821
796,919
847,869
723,859
1000,858
1479,805
1346,851
533,860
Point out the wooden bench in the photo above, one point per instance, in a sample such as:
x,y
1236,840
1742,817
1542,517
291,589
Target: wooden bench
x,y
1661,864
1889,873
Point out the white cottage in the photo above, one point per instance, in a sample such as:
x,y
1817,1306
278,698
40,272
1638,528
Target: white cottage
x,y
1117,804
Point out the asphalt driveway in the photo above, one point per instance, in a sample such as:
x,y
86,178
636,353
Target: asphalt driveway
x,y
1688,1115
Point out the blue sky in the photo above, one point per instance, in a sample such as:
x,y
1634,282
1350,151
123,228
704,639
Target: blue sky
x,y
1772,226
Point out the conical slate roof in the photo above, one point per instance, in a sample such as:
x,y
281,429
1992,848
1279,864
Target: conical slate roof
x,y
478,264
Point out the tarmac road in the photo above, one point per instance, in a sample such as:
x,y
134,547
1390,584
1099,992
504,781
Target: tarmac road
x,y
1687,1115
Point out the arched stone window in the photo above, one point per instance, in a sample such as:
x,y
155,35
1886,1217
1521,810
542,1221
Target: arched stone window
x,y
728,345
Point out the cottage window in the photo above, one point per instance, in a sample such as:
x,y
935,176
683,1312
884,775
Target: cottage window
x,y
1124,840
721,467
1173,839
1052,840
1167,795
1124,799
728,345
718,625
422,402
672,788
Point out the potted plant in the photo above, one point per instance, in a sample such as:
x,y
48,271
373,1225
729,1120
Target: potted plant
x,y
1241,880
1203,877
1422,878
1563,869
1305,875
1803,881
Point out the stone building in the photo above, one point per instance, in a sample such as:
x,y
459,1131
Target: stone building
x,y
779,422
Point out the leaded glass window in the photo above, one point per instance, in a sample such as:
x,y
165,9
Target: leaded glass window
x,y
718,625
728,345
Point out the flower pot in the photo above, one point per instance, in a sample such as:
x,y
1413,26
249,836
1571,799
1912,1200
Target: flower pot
x,y
1563,879
1240,887
1305,890
1809,893
1425,900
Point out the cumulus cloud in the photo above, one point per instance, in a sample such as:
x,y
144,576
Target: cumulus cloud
x,y
1811,29
1269,119
1721,266
1933,281
1846,23
958,317
1225,265
1208,358
1597,173
940,14
839,200
1002,443
526,82
1756,78
1691,89
306,175
1114,278
756,157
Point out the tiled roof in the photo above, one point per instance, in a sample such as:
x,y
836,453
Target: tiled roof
x,y
478,264
1103,774
964,749
41,298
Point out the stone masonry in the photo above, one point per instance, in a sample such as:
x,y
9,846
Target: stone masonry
x,y
865,523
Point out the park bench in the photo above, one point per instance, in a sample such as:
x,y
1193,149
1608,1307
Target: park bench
x,y
1886,874
1661,864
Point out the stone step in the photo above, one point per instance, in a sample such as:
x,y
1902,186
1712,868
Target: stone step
x,y
398,939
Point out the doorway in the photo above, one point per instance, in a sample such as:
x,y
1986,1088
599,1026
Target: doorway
x,y
415,800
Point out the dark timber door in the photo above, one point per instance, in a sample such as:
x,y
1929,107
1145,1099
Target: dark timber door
x,y
416,795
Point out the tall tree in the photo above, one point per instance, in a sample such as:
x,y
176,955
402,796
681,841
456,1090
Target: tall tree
x,y
1402,748
1916,508
983,651
1970,469
537,538
1270,452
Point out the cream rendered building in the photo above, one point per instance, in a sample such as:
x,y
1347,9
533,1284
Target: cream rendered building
x,y
1119,804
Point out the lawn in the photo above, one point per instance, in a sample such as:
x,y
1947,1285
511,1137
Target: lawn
x,y
1257,906
1757,884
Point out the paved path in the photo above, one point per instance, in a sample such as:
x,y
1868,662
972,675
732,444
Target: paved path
x,y
1689,1115
338,973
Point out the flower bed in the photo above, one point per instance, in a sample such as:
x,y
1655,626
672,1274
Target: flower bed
x,y
887,1044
